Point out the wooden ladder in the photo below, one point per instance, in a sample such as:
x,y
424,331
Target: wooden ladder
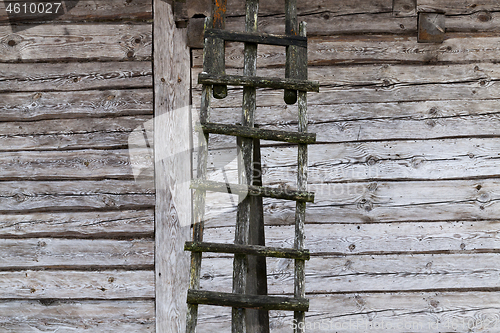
x,y
249,188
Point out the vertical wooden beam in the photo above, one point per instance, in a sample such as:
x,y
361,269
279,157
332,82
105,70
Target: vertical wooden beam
x,y
172,169
291,28
200,195
245,167
300,212
219,62
257,320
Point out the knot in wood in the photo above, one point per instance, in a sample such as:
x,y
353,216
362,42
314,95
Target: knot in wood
x,y
20,197
484,197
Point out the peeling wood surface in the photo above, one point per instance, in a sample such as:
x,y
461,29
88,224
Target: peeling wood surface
x,y
83,316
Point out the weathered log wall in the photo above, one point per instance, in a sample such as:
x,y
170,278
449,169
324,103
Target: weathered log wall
x,y
76,230
404,229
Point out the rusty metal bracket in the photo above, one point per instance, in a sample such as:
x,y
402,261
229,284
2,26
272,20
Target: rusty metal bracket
x,y
431,27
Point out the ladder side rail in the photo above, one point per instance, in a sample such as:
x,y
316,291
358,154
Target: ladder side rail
x,y
291,28
245,168
300,213
200,194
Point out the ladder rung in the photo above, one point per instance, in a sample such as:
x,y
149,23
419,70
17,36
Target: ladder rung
x,y
259,82
258,191
259,38
260,302
257,250
257,133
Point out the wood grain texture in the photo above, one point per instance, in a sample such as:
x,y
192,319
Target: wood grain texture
x,y
72,42
370,310
173,196
371,273
82,316
71,134
460,7
81,195
69,164
123,223
104,284
24,106
75,76
90,11
50,253
352,49
365,161
379,201
382,238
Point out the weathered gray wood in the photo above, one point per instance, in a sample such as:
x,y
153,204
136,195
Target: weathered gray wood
x,y
172,169
381,201
382,238
461,48
57,105
455,271
258,82
88,11
245,167
404,8
247,301
257,321
256,250
257,133
105,284
124,223
50,253
68,164
75,76
365,161
252,190
99,42
83,316
453,8
44,196
423,312
70,134
256,37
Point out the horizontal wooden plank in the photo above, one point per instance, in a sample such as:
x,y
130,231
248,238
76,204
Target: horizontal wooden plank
x,y
380,238
353,49
325,24
72,76
378,201
247,301
56,105
369,273
421,312
105,284
90,42
82,224
365,161
453,8
76,253
237,7
68,164
86,11
43,196
82,316
68,134
257,250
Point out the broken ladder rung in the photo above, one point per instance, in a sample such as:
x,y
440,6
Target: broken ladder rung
x,y
253,190
257,250
257,133
247,301
258,38
259,82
